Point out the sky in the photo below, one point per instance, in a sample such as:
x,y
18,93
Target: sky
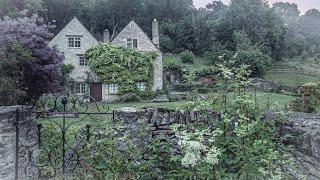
x,y
304,5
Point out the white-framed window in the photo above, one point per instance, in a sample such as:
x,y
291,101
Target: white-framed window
x,y
81,88
82,60
113,88
132,43
74,41
141,86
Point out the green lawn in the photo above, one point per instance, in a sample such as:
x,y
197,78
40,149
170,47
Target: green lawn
x,y
291,79
263,100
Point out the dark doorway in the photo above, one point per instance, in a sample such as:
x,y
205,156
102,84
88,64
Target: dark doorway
x,y
96,91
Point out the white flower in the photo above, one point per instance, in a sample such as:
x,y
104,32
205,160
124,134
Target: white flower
x,y
212,156
190,159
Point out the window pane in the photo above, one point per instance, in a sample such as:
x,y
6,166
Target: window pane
x,y
74,42
77,42
71,42
82,60
78,89
129,43
135,43
141,86
113,88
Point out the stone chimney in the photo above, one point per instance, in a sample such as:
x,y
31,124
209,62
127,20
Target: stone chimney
x,y
155,33
106,36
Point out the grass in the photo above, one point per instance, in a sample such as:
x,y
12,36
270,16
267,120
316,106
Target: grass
x,y
310,65
140,105
291,79
263,99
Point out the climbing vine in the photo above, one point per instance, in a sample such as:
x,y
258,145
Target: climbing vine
x,y
123,66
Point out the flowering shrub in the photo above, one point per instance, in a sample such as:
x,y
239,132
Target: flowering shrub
x,y
198,147
309,100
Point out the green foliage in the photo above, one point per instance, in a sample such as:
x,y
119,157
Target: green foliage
x,y
251,55
244,146
11,74
66,69
187,57
309,100
114,64
258,20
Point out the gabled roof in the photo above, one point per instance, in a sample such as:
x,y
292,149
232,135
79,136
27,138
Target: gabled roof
x,y
75,20
128,26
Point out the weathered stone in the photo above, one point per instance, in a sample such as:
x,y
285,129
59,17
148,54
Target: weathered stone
x,y
306,129
8,141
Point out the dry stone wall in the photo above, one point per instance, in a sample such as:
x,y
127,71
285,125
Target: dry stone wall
x,y
305,128
8,117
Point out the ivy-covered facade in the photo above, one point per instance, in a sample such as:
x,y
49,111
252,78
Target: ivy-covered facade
x,y
137,69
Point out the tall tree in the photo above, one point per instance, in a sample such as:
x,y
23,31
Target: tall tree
x,y
26,59
289,13
258,20
309,27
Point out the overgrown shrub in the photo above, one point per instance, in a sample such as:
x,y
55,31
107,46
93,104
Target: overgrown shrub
x,y
130,97
187,57
114,64
309,100
28,66
203,90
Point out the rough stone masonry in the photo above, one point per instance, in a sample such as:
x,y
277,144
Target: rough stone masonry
x,y
8,117
304,127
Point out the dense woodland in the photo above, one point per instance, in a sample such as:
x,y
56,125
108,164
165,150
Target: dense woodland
x,y
277,31
245,32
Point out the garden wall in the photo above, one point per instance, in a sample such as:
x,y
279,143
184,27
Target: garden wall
x,y
8,141
305,128
160,119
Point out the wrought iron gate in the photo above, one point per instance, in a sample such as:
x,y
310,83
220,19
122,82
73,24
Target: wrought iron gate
x,y
53,134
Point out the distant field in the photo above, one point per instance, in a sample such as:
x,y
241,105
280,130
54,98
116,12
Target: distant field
x,y
291,79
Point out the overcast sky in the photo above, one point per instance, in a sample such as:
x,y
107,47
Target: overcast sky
x,y
304,5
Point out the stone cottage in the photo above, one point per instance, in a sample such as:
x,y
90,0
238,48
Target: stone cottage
x,y
74,40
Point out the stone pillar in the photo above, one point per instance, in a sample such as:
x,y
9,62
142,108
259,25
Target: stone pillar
x,y
8,117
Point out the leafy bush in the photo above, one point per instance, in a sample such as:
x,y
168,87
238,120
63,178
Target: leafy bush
x,y
66,69
250,54
203,90
310,99
28,66
130,97
187,57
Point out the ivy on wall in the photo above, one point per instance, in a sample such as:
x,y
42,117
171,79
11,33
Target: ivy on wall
x,y
113,64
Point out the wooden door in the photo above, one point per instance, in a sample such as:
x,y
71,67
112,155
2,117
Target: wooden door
x,y
96,91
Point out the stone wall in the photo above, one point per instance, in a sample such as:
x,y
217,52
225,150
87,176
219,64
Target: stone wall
x,y
304,127
306,131
8,142
160,119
